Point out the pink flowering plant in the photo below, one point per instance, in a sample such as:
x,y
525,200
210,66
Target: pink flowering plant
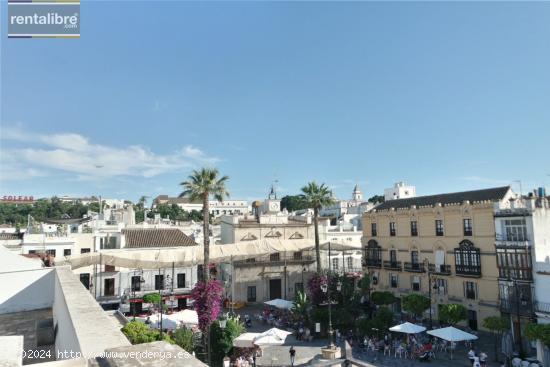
x,y
208,301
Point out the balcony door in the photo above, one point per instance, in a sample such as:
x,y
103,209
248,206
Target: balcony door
x,y
393,257
440,260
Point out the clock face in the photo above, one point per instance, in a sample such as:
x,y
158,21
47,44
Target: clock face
x,y
274,206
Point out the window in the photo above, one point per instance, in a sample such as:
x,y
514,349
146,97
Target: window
x,y
515,229
375,278
373,254
298,287
136,283
438,227
467,225
181,280
373,229
467,259
414,257
393,256
159,282
275,257
297,255
394,281
109,268
470,290
440,286
335,263
414,228
32,251
392,228
350,262
415,283
67,252
51,252
84,250
251,294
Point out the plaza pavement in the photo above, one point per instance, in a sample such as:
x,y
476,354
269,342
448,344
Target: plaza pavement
x,y
308,353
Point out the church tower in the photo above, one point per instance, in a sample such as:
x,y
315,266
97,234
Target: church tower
x,y
357,195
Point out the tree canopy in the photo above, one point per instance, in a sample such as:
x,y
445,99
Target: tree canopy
x,y
17,214
376,199
452,313
415,304
383,298
293,203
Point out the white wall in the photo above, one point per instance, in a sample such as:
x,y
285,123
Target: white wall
x,y
26,290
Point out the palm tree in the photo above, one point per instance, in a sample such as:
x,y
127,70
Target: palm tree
x,y
317,196
201,185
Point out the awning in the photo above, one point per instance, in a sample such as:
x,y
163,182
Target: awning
x,y
155,258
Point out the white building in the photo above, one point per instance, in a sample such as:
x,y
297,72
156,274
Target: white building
x,y
399,191
522,227
217,208
349,210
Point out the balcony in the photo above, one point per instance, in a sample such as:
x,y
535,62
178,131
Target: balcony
x,y
525,306
275,260
504,241
523,274
393,265
468,270
543,307
372,263
415,267
440,269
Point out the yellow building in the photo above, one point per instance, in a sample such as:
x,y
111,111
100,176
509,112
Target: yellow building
x,y
440,242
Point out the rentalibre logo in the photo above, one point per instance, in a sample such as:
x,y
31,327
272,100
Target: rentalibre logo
x,y
43,19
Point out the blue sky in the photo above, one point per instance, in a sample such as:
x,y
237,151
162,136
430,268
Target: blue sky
x,y
446,96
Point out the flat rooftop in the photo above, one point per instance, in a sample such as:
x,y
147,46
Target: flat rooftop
x,y
36,327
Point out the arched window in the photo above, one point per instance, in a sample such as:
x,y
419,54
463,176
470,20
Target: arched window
x,y
467,259
373,254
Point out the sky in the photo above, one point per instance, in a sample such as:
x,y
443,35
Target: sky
x,y
446,96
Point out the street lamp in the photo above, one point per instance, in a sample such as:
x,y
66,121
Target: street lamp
x,y
427,264
223,325
326,289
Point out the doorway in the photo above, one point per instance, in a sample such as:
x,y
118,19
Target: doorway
x,y
85,280
109,287
275,288
472,319
182,304
136,308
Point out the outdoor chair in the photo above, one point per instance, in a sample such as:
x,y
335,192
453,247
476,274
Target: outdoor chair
x,y
516,362
387,349
525,363
400,350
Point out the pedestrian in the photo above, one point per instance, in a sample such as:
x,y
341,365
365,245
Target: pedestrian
x,y
471,355
292,353
476,362
483,359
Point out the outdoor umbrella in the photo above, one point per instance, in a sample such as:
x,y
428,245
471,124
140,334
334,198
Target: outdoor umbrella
x,y
280,303
272,336
186,317
408,328
245,340
166,322
452,334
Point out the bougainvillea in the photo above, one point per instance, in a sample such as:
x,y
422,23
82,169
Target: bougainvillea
x,y
208,301
316,294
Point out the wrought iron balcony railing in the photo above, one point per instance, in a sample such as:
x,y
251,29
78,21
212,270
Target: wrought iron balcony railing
x,y
440,269
415,267
468,270
393,265
372,263
275,260
523,306
542,307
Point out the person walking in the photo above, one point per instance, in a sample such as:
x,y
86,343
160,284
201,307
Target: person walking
x,y
292,353
483,359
